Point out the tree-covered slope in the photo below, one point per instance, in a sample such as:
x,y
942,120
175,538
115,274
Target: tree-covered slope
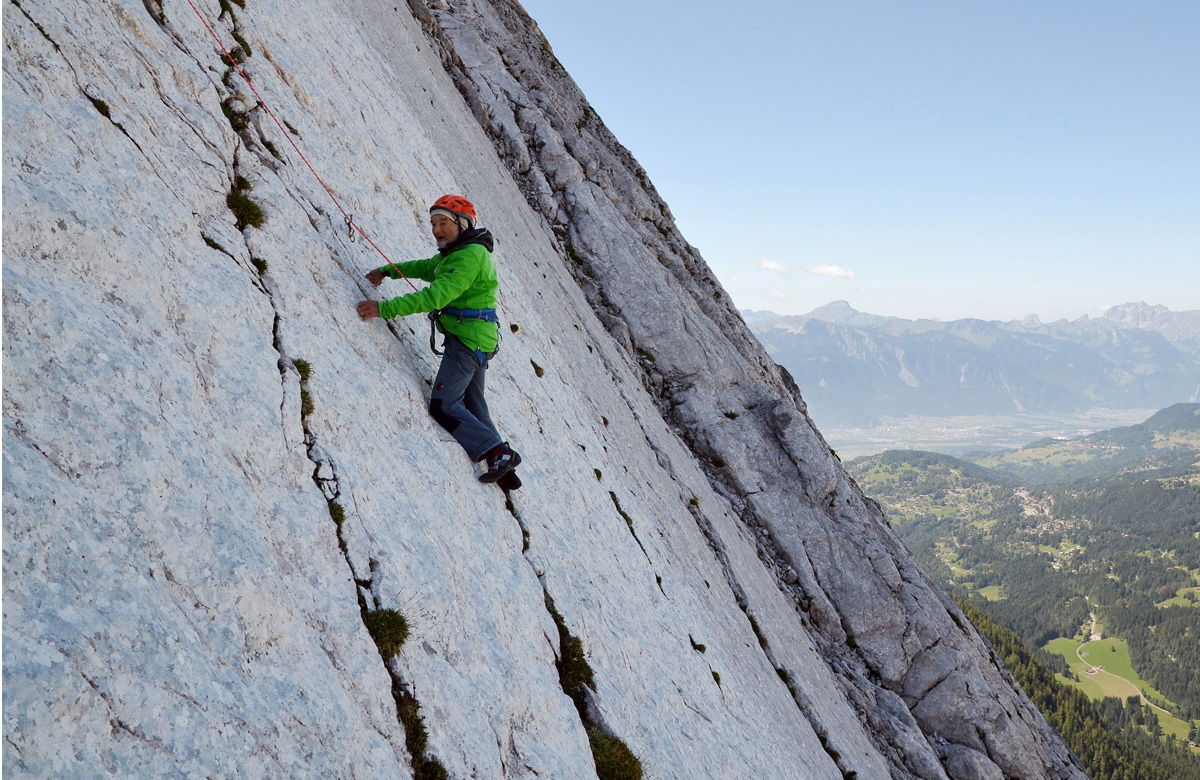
x,y
1116,740
1121,545
1166,443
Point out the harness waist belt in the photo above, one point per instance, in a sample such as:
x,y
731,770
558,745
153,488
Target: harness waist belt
x,y
487,315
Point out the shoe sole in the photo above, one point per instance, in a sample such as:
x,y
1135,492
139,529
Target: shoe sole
x,y
490,477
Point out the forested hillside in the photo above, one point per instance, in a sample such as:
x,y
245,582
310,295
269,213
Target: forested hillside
x,y
1049,558
1113,553
1115,739
1166,443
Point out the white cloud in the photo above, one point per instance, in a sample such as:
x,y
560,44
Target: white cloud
x,y
778,296
771,265
829,270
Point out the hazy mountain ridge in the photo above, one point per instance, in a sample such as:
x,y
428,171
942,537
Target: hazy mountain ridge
x,y
1179,327
856,367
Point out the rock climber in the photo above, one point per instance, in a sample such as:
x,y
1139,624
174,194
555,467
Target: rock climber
x,y
461,297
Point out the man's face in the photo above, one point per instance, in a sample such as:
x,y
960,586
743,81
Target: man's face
x,y
445,230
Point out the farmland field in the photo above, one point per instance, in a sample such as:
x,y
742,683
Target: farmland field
x,y
1117,679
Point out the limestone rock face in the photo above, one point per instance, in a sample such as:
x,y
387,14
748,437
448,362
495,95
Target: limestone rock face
x,y
213,468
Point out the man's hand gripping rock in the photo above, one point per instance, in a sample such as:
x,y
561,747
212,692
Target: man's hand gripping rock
x,y
370,309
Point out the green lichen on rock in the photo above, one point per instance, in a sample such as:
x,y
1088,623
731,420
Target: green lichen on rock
x,y
614,760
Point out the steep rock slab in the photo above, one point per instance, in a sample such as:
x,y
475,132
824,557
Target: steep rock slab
x,y
175,598
172,572
880,623
170,600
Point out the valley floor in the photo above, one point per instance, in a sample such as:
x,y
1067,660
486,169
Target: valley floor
x,y
1103,668
962,434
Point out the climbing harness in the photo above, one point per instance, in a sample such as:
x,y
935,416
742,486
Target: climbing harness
x,y
351,225
487,315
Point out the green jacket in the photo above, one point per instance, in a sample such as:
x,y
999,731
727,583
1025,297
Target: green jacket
x,y
463,277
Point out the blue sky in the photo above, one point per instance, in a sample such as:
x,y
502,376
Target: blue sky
x,y
918,159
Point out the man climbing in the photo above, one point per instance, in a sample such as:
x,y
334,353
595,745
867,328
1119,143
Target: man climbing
x,y
462,299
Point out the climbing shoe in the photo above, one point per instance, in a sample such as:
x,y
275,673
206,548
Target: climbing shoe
x,y
509,481
500,461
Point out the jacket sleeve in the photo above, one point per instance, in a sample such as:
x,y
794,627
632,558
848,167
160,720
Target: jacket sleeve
x,y
454,276
413,269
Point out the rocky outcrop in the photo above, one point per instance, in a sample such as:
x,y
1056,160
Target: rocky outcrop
x,y
1179,327
214,471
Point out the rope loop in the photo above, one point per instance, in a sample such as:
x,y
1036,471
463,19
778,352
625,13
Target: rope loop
x,y
350,224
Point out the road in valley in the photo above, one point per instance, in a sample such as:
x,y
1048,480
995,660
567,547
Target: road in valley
x,y
1134,690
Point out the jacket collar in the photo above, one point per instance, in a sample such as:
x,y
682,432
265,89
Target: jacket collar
x,y
479,236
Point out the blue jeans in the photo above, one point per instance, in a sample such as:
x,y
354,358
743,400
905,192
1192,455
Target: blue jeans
x,y
457,402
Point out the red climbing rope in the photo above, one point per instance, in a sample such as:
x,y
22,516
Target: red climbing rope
x,y
349,218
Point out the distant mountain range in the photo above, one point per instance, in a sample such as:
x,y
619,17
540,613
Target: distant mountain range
x,y
855,368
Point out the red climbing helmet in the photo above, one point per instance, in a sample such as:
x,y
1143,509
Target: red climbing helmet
x,y
457,206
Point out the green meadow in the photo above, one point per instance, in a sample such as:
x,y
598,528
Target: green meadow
x,y
991,593
1117,679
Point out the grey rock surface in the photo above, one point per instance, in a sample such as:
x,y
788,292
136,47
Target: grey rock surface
x,y
181,429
